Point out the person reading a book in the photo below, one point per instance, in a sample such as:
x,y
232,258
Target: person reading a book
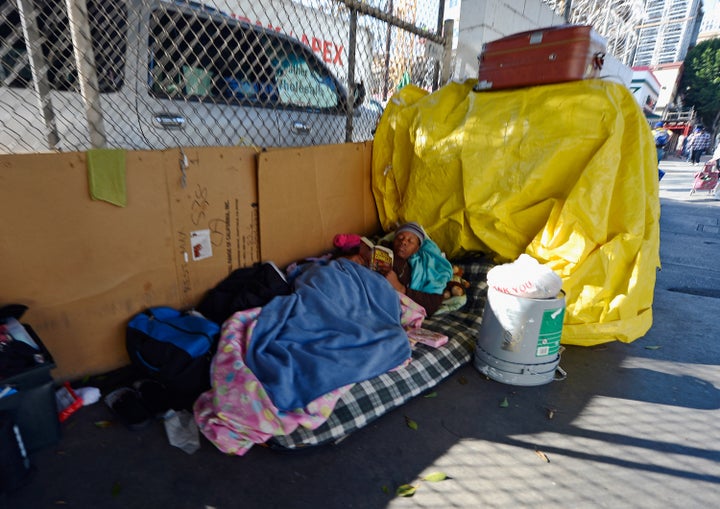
x,y
419,268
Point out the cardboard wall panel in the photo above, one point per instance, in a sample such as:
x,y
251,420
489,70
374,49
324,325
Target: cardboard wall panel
x,y
84,267
81,266
309,194
214,211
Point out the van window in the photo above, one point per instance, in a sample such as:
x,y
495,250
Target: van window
x,y
14,63
108,31
301,85
201,57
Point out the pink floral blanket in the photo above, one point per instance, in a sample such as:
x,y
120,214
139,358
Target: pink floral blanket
x,y
237,413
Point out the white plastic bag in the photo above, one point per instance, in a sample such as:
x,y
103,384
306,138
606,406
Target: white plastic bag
x,y
182,432
525,277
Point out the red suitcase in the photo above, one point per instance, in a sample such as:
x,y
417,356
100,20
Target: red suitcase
x,y
538,57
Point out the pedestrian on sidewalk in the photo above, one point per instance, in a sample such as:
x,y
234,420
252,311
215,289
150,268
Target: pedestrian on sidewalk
x,y
662,137
680,147
698,142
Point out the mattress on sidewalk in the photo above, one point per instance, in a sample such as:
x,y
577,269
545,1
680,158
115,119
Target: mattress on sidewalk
x,y
368,400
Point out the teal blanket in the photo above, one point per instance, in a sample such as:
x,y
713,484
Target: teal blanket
x,y
431,271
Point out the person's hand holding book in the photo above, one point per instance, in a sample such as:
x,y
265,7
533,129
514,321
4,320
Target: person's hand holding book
x,y
383,267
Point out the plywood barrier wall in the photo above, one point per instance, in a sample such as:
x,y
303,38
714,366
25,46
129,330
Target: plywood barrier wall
x,y
309,194
84,267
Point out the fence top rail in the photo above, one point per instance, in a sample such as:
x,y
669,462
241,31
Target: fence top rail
x,y
393,20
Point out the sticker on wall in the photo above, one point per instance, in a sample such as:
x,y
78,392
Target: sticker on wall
x,y
201,245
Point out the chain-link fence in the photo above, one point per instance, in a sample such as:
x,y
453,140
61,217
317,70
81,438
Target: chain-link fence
x,y
135,74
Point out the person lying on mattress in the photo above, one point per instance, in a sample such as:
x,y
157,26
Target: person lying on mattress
x,y
419,269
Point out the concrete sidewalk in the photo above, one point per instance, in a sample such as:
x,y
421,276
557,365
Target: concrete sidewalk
x,y
633,425
678,180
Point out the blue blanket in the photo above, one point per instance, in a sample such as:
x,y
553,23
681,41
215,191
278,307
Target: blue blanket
x,y
340,326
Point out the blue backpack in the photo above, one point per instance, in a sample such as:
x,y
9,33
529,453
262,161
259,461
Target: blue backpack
x,y
173,347
661,138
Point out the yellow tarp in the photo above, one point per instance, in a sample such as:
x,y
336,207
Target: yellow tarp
x,y
566,173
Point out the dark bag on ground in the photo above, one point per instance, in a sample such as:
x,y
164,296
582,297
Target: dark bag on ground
x,y
173,347
244,288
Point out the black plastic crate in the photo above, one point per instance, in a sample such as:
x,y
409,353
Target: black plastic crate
x,y
33,406
36,375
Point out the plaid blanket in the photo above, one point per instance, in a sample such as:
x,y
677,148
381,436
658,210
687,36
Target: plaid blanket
x,y
368,400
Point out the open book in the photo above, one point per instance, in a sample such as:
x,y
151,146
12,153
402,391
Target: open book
x,y
378,253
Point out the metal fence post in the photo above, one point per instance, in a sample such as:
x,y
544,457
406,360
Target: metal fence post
x,y
448,28
352,44
85,61
38,67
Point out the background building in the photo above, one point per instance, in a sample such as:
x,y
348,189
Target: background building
x,y
646,89
710,26
667,32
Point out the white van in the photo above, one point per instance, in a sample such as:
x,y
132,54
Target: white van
x,y
169,74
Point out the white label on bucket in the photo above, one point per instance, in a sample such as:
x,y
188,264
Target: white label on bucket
x,y
550,332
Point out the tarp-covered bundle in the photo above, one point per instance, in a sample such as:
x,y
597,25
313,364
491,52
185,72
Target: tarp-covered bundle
x,y
566,173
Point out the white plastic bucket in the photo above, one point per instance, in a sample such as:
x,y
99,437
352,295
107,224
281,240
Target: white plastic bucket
x,y
519,339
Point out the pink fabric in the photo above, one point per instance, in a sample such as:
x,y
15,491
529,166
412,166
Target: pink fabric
x,y
346,241
237,413
413,313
